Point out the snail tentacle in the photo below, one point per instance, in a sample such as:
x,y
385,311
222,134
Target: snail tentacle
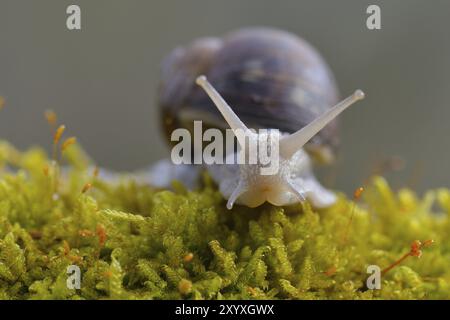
x,y
297,190
230,117
237,192
294,142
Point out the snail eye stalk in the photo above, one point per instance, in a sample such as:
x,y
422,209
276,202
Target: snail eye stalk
x,y
230,117
294,142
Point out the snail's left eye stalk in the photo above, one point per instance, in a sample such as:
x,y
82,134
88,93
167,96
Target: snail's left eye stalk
x,y
294,142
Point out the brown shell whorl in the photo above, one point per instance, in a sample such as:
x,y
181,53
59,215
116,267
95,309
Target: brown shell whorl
x,y
271,79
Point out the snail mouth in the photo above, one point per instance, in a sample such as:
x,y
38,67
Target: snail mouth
x,y
270,193
273,195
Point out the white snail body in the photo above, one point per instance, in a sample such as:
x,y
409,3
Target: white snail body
x,y
273,80
293,181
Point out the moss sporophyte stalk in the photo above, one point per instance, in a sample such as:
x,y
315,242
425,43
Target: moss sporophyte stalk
x,y
132,241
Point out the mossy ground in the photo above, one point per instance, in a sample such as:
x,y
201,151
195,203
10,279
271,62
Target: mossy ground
x,y
134,242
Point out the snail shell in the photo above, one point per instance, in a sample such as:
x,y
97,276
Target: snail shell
x,y
271,78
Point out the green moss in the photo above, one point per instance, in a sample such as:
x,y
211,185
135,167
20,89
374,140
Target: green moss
x,y
134,242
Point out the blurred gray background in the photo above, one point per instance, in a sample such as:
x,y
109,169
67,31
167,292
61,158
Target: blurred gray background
x,y
102,80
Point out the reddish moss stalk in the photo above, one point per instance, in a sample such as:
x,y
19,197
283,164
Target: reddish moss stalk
x,y
416,251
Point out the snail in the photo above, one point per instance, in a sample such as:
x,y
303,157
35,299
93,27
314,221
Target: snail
x,y
255,78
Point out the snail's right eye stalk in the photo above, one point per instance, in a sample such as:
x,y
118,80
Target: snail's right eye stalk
x,y
230,117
